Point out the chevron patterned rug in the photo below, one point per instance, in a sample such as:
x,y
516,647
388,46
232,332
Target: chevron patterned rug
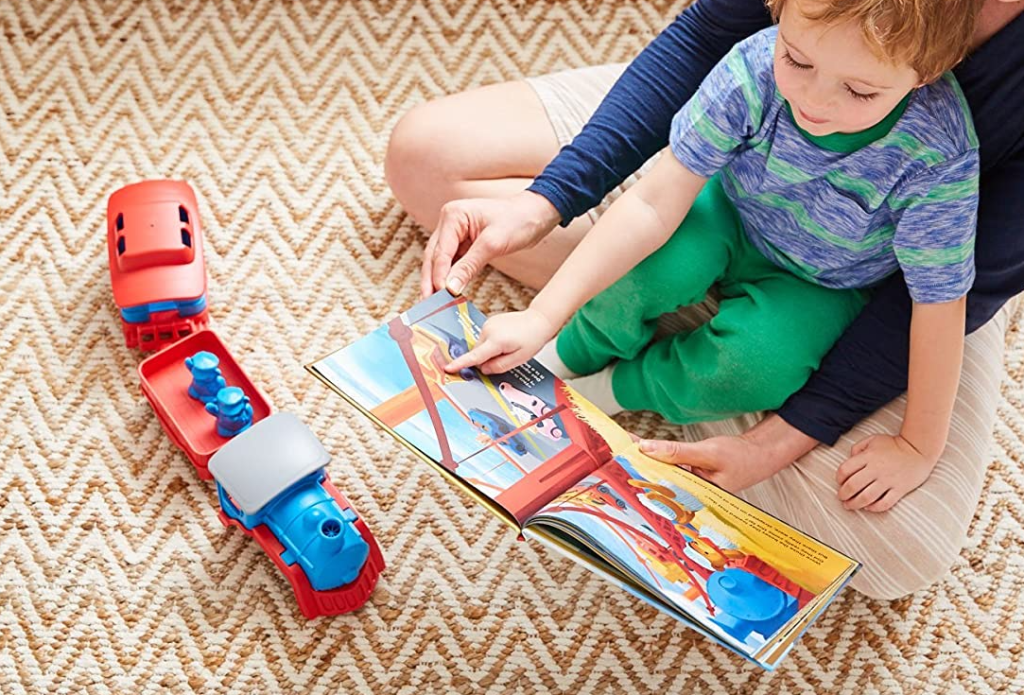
x,y
116,575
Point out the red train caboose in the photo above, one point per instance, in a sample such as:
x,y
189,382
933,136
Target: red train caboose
x,y
157,269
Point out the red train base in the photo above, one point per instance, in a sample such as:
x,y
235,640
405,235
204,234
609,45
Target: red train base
x,y
165,381
311,602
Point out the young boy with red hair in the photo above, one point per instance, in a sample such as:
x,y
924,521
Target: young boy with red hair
x,y
820,156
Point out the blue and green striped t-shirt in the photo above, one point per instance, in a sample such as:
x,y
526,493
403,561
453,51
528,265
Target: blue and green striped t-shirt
x,y
844,210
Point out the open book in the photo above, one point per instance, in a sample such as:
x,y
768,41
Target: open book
x,y
561,472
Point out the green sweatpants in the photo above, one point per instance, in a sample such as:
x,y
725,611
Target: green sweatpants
x,y
771,331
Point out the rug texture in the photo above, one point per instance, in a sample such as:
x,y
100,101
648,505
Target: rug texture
x,y
116,575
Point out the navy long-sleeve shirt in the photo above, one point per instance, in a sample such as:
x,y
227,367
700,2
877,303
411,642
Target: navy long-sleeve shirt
x,y
868,367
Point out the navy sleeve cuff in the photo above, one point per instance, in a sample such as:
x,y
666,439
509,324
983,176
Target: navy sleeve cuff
x,y
812,428
546,188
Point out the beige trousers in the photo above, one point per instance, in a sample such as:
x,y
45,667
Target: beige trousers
x,y
914,544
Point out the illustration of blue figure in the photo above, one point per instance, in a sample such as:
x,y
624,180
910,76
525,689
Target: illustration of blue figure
x,y
206,378
495,428
745,604
233,411
457,347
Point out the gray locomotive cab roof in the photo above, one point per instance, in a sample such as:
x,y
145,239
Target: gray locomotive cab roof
x,y
262,462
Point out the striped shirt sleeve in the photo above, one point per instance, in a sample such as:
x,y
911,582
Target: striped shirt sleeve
x,y
727,110
934,240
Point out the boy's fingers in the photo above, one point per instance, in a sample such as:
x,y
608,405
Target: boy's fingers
x,y
483,351
861,445
884,503
869,495
855,484
849,467
503,363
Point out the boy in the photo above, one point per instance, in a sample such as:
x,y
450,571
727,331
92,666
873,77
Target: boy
x,y
817,158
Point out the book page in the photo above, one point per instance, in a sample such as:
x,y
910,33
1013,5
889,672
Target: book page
x,y
512,438
544,460
738,571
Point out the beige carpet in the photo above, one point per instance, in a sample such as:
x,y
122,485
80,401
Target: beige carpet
x,y
116,576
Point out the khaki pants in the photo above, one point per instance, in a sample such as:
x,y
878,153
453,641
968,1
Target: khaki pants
x,y
914,544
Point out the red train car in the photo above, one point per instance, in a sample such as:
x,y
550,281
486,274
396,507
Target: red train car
x,y
157,269
165,381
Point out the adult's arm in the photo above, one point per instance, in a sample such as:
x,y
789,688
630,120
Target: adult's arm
x,y
868,367
632,123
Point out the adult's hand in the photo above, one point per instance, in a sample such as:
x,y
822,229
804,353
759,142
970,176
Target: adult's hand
x,y
736,462
472,232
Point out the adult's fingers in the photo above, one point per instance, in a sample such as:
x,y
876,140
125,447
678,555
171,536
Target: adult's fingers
x,y
426,269
452,228
703,454
466,268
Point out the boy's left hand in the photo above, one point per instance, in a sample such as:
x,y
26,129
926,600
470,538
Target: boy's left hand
x,y
880,471
506,341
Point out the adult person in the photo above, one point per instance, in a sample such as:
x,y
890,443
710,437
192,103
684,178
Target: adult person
x,y
460,166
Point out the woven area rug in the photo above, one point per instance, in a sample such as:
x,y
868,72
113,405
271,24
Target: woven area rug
x,y
117,577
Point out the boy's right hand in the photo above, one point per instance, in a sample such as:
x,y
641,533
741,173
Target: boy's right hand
x,y
506,341
472,232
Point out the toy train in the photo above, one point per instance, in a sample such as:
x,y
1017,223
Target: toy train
x,y
157,269
271,478
273,484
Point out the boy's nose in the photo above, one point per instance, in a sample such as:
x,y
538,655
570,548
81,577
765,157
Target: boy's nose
x,y
815,101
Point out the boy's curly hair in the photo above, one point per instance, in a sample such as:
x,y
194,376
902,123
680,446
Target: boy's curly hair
x,y
931,36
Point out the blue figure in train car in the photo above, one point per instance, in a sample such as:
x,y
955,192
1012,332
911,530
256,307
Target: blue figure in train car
x,y
745,603
206,377
233,411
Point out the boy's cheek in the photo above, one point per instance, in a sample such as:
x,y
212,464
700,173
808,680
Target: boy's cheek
x,y
783,82
864,115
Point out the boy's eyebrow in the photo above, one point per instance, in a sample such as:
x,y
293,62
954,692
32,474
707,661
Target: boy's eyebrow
x,y
789,43
868,84
852,79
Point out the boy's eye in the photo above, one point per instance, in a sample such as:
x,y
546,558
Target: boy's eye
x,y
860,96
799,66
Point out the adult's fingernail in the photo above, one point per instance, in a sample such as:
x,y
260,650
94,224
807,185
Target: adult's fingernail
x,y
455,285
647,446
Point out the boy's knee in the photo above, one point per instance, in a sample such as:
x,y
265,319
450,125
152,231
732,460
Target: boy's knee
x,y
758,382
635,296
